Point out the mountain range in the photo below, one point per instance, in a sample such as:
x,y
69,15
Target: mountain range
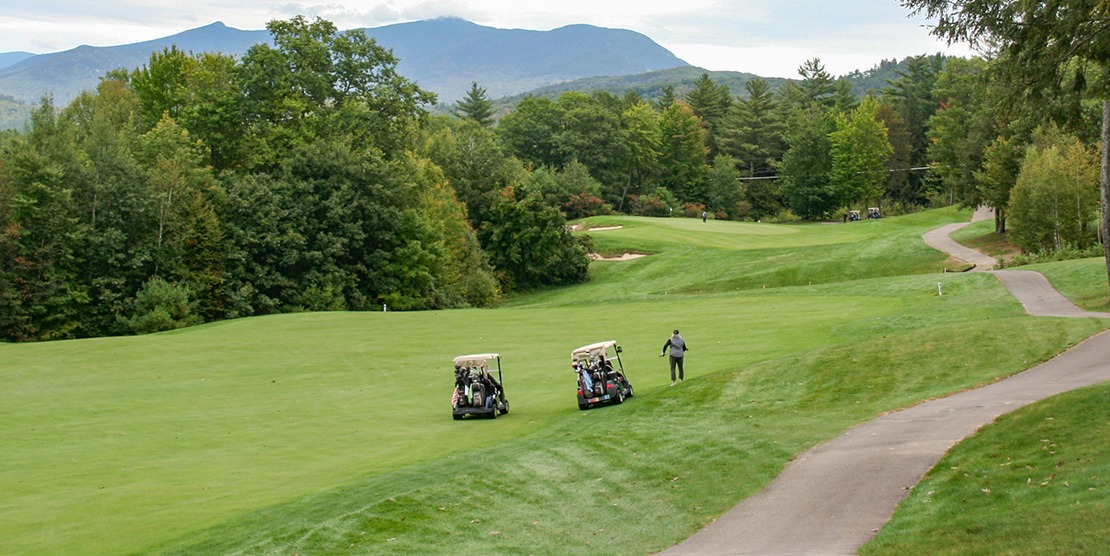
x,y
441,55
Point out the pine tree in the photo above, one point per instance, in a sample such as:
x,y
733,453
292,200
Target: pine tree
x,y
475,106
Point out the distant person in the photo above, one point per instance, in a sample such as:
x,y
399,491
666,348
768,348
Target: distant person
x,y
678,350
704,215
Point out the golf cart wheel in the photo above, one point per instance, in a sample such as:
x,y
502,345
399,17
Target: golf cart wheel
x,y
457,416
620,396
631,392
504,408
493,414
583,406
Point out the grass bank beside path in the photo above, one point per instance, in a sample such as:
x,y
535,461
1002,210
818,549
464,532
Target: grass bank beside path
x,y
1034,482
330,432
1083,281
980,235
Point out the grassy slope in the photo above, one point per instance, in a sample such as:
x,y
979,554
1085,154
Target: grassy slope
x,y
1034,482
323,432
1083,281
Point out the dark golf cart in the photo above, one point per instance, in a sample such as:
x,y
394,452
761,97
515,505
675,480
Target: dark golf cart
x,y
477,392
599,382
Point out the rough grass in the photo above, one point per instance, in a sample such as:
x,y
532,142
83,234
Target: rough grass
x,y
1084,281
329,433
980,235
1034,482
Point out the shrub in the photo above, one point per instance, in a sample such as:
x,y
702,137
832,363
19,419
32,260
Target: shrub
x,y
159,306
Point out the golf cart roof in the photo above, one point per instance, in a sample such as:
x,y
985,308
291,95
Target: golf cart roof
x,y
476,360
591,349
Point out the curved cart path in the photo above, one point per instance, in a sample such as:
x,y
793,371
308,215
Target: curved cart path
x,y
835,497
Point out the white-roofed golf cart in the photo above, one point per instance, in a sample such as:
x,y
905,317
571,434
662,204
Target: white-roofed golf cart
x,y
477,392
599,382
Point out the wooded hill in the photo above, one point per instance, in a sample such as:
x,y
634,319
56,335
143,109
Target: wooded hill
x,y
650,85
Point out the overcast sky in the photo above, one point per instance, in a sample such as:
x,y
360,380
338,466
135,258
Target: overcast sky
x,y
766,37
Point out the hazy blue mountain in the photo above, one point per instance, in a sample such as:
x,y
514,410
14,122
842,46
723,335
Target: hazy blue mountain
x,y
12,58
445,55
441,55
65,74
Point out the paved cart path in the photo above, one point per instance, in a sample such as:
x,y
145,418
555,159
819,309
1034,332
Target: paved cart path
x,y
833,498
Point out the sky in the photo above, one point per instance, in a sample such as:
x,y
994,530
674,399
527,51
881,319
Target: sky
x,y
771,38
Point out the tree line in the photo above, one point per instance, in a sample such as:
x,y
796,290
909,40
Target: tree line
x,y
308,175
298,178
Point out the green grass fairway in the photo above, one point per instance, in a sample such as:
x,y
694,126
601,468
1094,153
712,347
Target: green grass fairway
x,y
324,433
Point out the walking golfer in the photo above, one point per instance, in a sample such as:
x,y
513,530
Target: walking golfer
x,y
678,350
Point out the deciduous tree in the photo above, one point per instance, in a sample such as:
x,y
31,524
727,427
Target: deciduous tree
x,y
1056,194
1038,42
859,149
807,163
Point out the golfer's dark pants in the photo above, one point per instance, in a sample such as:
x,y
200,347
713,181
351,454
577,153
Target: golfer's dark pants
x,y
681,372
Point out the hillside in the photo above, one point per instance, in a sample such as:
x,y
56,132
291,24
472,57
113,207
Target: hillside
x,y
445,55
649,85
11,58
441,55
65,74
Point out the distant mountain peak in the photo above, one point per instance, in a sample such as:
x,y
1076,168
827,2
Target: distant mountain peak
x,y
443,55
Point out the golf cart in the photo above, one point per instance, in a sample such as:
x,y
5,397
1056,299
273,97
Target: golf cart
x,y
873,213
598,381
853,216
477,392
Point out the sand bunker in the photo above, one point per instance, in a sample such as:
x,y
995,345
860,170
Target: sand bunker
x,y
624,257
582,227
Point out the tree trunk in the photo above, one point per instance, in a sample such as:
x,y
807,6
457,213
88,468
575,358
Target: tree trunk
x,y
1106,185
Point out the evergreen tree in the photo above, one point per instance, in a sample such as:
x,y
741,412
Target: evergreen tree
x,y
911,95
754,132
898,187
817,85
711,102
667,98
475,106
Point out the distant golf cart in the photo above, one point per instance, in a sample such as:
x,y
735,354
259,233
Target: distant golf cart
x,y
477,392
598,381
873,213
853,216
